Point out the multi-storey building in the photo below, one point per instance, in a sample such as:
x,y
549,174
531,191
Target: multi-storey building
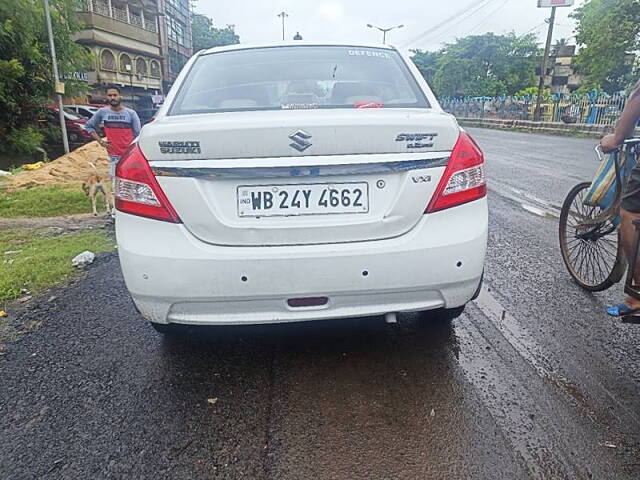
x,y
175,37
139,45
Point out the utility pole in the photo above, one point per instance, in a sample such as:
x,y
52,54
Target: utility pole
x,y
58,86
384,31
283,15
543,68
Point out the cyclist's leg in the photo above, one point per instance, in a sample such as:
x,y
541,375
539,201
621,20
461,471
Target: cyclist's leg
x,y
628,233
630,211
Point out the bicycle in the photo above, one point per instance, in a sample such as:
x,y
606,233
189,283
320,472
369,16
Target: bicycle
x,y
589,237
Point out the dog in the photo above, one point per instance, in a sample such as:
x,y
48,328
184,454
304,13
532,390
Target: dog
x,y
92,185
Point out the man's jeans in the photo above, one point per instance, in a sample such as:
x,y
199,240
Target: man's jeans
x,y
113,161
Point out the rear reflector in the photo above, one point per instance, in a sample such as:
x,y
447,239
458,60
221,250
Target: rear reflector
x,y
137,191
463,180
307,301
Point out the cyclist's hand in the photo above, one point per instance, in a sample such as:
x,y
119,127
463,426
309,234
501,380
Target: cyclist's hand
x,y
609,143
105,143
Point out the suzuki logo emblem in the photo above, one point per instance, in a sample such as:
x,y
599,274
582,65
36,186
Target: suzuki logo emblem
x,y
300,140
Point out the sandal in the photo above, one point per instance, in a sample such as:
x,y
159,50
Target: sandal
x,y
622,310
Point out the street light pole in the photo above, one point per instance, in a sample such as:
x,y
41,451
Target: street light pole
x,y
283,15
537,115
384,31
56,78
129,68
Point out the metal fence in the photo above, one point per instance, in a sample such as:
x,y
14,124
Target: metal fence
x,y
594,109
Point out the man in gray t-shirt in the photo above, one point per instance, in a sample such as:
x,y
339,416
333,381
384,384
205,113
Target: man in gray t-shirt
x,y
121,125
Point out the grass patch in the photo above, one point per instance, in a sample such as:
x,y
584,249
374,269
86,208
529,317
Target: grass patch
x,y
41,261
44,202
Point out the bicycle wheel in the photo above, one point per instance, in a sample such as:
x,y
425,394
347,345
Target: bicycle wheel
x,y
591,253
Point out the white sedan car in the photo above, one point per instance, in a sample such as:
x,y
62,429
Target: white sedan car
x,y
300,181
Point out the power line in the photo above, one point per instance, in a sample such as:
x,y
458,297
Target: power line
x,y
534,28
493,12
481,3
461,19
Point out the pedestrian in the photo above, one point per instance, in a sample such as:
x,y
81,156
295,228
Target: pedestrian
x,y
630,206
121,125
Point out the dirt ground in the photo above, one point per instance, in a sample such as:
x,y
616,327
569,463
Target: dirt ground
x,y
75,166
56,225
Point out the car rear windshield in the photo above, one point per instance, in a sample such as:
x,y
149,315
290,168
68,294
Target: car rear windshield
x,y
300,77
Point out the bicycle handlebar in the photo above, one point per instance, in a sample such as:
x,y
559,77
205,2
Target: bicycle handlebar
x,y
628,141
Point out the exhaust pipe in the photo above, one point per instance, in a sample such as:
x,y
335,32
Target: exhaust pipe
x,y
391,317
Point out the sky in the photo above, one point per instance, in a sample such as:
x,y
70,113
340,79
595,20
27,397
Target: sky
x,y
256,21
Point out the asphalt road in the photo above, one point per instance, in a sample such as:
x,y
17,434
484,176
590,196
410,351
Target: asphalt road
x,y
531,382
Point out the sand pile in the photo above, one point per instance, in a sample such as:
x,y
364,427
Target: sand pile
x,y
69,168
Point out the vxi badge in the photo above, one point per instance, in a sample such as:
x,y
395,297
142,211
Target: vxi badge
x,y
179,147
417,140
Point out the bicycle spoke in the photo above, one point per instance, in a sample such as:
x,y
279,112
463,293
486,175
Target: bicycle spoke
x,y
590,268
610,248
590,249
598,260
574,251
594,264
582,259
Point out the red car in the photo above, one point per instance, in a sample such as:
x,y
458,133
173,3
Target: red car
x,y
74,123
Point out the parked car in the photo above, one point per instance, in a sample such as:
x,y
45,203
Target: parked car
x,y
76,131
296,182
85,111
147,115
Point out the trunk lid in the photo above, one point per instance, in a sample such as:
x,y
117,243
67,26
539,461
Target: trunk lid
x,y
366,174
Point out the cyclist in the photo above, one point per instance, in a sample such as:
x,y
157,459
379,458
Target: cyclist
x,y
630,206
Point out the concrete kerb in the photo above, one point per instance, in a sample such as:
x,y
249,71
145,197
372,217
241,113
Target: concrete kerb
x,y
551,128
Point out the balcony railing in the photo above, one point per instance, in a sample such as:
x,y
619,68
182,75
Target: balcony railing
x,y
101,7
135,19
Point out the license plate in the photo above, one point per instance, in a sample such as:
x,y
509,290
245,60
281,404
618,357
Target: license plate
x,y
306,199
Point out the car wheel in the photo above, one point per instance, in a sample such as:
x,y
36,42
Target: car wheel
x,y
73,137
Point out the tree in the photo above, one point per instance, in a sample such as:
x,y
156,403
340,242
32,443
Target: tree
x,y
561,42
26,79
607,31
486,64
426,62
205,35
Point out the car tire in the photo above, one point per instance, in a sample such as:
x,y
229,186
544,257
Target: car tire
x,y
73,137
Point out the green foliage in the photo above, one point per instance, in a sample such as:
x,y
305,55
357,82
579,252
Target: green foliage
x,y
532,92
205,35
477,65
26,79
427,63
24,140
41,262
607,30
44,202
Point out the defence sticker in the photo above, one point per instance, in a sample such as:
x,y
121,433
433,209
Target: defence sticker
x,y
368,53
299,106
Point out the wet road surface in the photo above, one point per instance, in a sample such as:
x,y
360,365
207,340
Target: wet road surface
x,y
532,381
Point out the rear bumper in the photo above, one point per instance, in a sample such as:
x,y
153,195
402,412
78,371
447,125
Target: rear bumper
x,y
175,278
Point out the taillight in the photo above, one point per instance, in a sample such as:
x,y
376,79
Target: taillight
x,y
137,191
463,180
